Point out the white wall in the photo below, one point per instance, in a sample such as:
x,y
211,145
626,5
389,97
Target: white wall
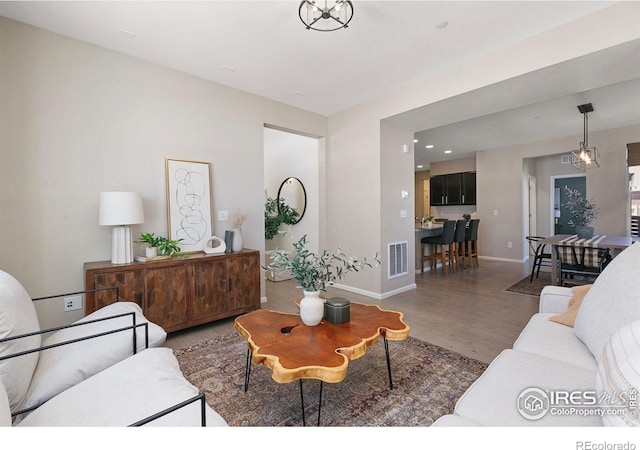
x,y
292,155
76,120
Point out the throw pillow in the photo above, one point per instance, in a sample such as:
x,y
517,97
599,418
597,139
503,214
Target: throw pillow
x,y
17,316
61,367
568,317
618,377
612,302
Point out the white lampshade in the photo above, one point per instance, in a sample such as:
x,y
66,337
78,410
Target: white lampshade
x,y
120,208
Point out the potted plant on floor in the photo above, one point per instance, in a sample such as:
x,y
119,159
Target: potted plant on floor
x,y
314,272
581,213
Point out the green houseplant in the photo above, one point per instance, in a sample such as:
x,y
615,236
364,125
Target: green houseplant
x,y
277,212
581,213
168,247
162,245
313,272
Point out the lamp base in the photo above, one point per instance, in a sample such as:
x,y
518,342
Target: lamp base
x,y
121,246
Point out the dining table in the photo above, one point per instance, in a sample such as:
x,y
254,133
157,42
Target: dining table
x,y
614,243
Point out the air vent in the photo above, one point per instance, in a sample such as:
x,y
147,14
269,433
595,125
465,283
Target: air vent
x,y
398,259
565,159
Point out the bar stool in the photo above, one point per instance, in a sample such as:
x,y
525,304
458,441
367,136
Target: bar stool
x,y
472,241
459,240
445,241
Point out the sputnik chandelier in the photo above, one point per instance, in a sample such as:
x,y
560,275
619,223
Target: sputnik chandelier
x,y
330,17
585,157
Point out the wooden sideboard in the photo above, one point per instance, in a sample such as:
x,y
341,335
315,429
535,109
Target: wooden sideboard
x,y
180,292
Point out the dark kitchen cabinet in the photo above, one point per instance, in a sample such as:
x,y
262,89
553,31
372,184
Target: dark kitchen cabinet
x,y
453,189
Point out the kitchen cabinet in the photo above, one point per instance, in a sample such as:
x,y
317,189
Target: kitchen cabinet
x,y
453,189
180,292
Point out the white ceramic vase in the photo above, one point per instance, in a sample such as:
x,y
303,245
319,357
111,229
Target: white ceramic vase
x,y
311,308
237,244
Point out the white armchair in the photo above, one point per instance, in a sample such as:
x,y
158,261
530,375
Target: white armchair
x,y
102,358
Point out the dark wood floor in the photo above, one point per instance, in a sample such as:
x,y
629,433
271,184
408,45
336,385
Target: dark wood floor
x,y
468,312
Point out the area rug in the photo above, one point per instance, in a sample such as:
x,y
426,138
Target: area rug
x,y
534,287
427,382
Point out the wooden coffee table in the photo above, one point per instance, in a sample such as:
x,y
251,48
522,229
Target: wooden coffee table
x,y
294,351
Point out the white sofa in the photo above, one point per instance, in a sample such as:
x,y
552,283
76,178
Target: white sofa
x,y
97,381
559,375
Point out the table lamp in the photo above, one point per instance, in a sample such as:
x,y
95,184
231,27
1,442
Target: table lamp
x,y
120,209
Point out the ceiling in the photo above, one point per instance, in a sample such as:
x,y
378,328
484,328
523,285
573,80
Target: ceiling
x,y
262,47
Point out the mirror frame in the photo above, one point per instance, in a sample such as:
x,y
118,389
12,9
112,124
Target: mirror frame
x,y
304,193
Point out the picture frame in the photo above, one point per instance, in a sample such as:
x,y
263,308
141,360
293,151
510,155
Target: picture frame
x,y
189,195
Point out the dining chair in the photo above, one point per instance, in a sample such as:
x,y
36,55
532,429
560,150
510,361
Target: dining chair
x,y
472,241
580,265
541,256
446,246
459,240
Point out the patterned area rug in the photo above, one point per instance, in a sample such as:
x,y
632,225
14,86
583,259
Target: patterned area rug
x,y
427,382
534,287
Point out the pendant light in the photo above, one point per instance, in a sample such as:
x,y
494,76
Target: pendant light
x,y
585,157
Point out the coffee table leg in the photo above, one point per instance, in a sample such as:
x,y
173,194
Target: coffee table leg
x,y
304,422
247,370
386,350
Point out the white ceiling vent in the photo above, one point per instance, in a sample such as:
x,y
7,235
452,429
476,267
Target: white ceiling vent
x,y
398,259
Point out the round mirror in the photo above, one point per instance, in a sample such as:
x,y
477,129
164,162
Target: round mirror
x,y
293,195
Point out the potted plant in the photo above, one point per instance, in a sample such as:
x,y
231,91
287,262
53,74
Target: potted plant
x,y
581,213
314,272
429,221
277,212
168,247
151,250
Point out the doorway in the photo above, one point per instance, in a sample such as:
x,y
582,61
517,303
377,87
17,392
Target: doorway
x,y
560,213
289,155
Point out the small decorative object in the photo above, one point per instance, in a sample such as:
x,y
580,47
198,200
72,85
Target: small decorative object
x,y
189,202
214,246
228,240
466,217
236,219
314,272
337,310
581,213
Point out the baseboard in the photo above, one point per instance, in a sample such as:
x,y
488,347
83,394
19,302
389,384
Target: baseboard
x,y
493,258
399,291
374,294
357,291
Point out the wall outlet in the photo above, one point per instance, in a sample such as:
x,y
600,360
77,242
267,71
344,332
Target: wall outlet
x,y
73,303
509,244
223,216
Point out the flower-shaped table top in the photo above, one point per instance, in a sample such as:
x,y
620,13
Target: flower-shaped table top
x,y
295,351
